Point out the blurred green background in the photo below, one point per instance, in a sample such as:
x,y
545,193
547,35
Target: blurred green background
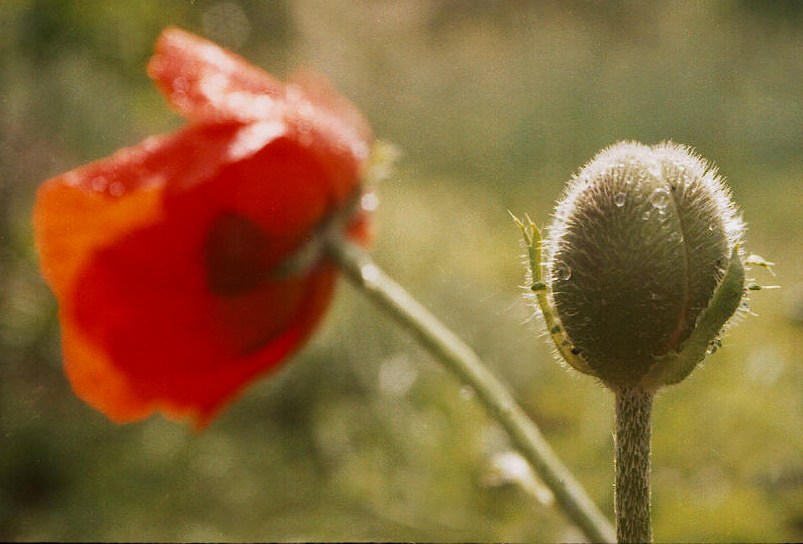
x,y
362,436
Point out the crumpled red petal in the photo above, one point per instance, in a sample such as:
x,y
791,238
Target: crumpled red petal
x,y
206,83
169,258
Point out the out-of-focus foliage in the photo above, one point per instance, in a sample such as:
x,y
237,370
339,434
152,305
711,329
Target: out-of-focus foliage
x,y
362,436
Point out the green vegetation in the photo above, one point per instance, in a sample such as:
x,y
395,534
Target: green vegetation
x,y
363,436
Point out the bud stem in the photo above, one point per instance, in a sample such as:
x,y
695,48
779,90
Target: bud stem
x,y
633,430
459,358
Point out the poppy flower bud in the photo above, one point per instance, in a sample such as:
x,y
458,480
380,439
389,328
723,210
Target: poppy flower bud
x,y
642,266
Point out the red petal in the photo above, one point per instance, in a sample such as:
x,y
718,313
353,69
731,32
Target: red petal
x,y
168,257
145,302
84,209
145,325
204,81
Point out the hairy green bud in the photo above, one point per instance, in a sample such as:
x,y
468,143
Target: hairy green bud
x,y
641,265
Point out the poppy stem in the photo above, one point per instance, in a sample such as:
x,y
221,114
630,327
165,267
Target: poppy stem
x,y
458,357
632,489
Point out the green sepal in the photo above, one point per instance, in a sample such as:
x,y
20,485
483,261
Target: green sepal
x,y
542,292
675,366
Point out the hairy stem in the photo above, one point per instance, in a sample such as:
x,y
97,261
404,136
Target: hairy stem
x,y
461,359
633,429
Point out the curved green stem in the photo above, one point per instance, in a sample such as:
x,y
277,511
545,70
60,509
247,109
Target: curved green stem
x,y
461,359
633,429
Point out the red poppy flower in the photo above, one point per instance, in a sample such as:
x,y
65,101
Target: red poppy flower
x,y
189,264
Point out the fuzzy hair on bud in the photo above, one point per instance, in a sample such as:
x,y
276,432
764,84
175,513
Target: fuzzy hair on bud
x,y
644,249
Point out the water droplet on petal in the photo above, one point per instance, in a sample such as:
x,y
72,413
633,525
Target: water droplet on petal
x,y
180,85
116,188
179,91
659,198
561,271
619,199
99,183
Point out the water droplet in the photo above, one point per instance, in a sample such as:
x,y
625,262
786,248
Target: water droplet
x,y
397,375
116,188
619,199
99,183
179,91
466,392
659,198
561,271
646,215
370,274
675,237
369,202
180,85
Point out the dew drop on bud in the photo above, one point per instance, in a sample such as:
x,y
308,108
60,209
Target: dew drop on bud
x,y
619,199
659,198
561,271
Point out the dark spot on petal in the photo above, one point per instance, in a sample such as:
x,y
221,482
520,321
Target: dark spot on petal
x,y
235,255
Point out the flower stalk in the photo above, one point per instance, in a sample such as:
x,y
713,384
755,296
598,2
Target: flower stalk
x,y
632,451
460,359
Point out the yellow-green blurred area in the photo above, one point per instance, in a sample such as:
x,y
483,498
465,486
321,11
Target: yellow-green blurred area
x,y
362,435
